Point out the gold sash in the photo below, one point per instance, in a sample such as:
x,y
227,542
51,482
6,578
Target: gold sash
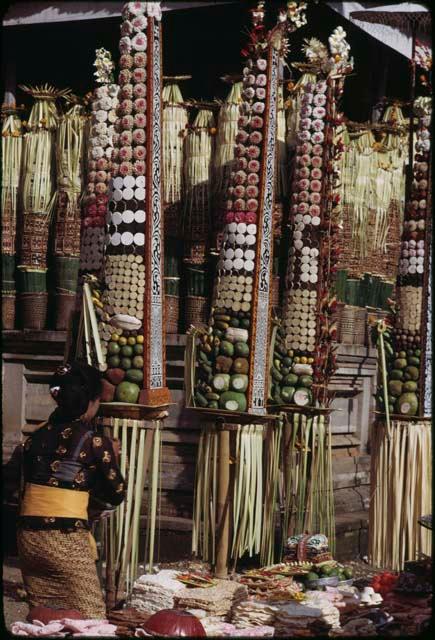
x,y
53,502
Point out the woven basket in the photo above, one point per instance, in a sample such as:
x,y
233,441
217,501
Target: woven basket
x,y
65,305
353,325
34,241
196,311
172,313
8,311
274,295
33,310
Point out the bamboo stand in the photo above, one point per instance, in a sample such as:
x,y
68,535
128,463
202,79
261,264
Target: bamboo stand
x,y
223,504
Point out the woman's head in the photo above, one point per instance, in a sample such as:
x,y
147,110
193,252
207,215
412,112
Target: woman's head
x,y
76,388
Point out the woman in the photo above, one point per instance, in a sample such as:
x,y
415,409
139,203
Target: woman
x,y
62,462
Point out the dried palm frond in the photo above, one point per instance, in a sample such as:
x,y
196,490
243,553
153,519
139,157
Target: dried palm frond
x,y
199,145
175,120
315,51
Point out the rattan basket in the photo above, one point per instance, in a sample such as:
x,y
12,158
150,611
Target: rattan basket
x,y
196,311
8,311
353,325
65,305
172,313
33,308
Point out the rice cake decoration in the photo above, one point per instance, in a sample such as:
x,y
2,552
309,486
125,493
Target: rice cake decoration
x,y
96,200
303,352
232,357
134,221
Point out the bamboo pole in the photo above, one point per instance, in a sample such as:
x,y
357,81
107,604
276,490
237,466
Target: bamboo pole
x,y
223,510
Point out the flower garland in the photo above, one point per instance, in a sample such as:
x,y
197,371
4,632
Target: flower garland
x,y
100,147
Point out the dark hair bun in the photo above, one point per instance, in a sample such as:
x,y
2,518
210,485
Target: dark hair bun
x,y
74,386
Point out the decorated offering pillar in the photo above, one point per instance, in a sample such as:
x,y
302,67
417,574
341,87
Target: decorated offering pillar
x,y
132,329
402,438
303,345
230,382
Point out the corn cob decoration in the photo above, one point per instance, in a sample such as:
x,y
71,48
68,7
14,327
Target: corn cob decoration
x,y
175,120
38,187
69,166
12,145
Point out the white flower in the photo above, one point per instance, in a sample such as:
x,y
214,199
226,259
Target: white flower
x,y
153,10
103,141
105,103
113,90
139,42
101,92
136,8
126,28
139,23
97,153
99,129
125,45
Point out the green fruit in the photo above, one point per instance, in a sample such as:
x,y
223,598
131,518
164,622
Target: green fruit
x,y
306,381
233,401
312,576
138,349
407,404
127,351
114,362
395,388
413,373
138,362
226,348
402,354
234,322
245,323
113,348
291,380
400,363
287,394
200,400
326,570
396,374
127,392
239,382
287,361
241,349
348,573
125,363
134,375
213,404
417,353
334,572
409,386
